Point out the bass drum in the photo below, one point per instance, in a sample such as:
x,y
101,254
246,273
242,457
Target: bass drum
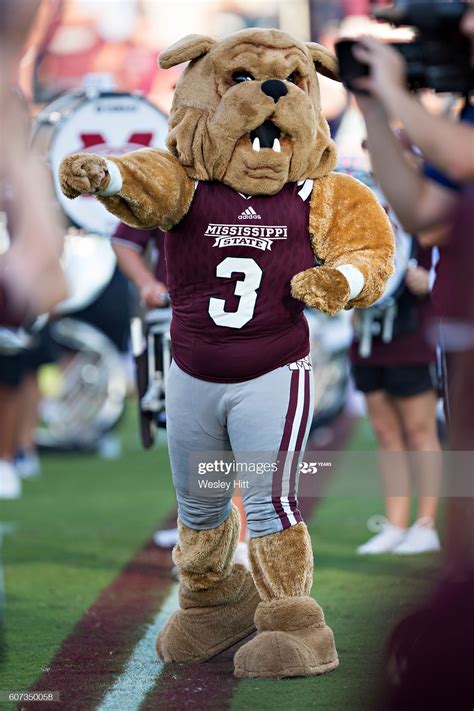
x,y
89,263
103,123
83,392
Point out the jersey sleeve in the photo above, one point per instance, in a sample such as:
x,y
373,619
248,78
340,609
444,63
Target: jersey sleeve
x,y
432,173
131,237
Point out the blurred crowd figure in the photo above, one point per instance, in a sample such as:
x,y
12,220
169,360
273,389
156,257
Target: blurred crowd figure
x,y
429,664
400,385
31,277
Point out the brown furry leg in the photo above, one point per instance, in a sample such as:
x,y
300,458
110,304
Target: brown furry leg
x,y
292,639
218,599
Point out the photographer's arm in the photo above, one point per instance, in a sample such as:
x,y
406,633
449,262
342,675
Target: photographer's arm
x,y
418,202
446,144
449,145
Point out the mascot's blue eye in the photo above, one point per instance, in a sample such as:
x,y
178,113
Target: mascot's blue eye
x,y
241,76
293,78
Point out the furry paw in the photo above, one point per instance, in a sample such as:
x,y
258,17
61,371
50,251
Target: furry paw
x,y
321,288
83,174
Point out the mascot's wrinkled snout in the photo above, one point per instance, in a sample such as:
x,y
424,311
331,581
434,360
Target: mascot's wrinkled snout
x,y
257,124
267,135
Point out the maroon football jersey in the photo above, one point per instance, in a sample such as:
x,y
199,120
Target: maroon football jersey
x,y
230,262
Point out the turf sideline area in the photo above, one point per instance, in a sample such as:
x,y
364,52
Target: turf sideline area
x,y
362,598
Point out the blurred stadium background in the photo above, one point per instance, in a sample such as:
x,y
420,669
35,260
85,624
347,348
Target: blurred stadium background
x,y
100,496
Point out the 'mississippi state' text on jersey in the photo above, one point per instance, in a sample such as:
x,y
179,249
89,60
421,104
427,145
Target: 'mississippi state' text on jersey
x,y
230,262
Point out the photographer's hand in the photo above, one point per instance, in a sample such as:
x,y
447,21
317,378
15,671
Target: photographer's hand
x,y
418,202
447,144
387,72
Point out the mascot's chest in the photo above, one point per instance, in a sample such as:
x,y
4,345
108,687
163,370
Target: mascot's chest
x,y
272,230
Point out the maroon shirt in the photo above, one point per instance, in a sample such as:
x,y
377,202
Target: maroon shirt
x,y
230,262
411,348
139,240
453,292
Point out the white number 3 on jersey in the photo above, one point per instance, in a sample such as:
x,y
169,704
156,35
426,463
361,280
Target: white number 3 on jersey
x,y
245,288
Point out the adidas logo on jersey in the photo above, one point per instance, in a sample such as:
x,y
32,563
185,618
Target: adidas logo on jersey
x,y
249,214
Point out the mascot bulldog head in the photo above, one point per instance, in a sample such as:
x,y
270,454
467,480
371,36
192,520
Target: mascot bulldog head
x,y
247,110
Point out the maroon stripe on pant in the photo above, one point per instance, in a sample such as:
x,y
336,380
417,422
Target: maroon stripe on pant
x,y
283,449
299,443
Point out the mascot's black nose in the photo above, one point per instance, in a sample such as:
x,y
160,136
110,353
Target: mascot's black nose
x,y
274,88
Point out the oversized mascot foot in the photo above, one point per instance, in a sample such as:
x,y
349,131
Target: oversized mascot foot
x,y
210,621
292,640
218,598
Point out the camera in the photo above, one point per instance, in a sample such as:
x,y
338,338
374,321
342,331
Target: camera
x,y
439,56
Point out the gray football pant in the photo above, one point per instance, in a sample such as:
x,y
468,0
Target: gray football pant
x,y
263,420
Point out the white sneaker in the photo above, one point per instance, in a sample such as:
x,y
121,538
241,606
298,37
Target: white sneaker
x,y
420,538
10,482
386,540
166,538
27,464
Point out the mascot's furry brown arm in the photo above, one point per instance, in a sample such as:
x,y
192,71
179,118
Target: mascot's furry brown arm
x,y
250,205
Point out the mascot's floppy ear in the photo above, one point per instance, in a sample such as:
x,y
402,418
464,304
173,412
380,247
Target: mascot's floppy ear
x,y
185,49
324,60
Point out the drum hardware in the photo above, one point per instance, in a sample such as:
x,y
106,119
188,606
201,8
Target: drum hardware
x,y
376,321
330,338
390,314
90,391
151,346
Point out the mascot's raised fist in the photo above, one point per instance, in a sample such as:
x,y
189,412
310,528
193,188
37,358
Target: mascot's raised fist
x,y
83,174
321,288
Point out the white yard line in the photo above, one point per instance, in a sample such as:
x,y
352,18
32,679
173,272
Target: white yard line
x,y
143,668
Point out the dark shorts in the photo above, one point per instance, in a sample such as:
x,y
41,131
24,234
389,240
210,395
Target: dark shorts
x,y
399,381
13,368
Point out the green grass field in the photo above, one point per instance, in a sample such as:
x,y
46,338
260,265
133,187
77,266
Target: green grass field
x,y
73,530
362,597
76,527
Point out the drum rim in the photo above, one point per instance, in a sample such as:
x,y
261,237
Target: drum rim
x,y
79,98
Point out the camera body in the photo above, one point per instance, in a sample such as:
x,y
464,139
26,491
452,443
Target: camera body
x,y
439,56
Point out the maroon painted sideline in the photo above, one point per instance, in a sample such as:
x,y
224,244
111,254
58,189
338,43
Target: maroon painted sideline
x,y
97,649
182,687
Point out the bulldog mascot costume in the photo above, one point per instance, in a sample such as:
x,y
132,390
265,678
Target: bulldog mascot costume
x,y
257,227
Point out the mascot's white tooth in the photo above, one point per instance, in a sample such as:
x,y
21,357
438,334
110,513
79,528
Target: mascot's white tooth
x,y
256,144
276,146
